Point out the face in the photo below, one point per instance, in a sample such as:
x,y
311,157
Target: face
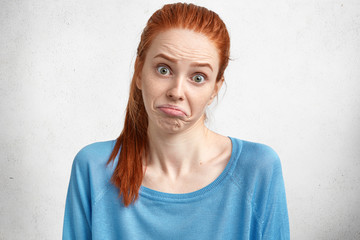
x,y
178,80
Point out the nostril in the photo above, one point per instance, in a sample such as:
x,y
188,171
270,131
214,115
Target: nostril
x,y
175,95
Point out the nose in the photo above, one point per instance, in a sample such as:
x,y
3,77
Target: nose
x,y
176,90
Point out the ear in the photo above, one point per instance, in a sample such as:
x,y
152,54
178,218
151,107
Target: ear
x,y
217,88
138,82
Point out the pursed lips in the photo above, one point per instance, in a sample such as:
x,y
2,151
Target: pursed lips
x,y
172,110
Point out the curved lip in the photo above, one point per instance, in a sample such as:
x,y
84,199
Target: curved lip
x,y
172,107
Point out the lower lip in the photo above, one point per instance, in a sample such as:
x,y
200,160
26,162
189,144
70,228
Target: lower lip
x,y
172,112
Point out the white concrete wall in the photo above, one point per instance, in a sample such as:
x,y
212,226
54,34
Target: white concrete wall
x,y
294,84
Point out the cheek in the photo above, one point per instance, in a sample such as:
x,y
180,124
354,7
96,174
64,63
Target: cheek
x,y
200,102
150,91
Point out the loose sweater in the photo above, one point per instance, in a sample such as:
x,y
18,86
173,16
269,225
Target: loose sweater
x,y
246,201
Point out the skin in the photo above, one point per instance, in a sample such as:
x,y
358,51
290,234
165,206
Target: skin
x,y
178,82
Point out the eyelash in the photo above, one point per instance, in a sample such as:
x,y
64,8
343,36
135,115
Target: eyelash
x,y
169,69
162,66
199,74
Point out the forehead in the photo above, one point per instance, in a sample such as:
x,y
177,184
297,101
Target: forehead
x,y
183,44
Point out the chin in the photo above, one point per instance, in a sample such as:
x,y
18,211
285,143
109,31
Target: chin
x,y
171,125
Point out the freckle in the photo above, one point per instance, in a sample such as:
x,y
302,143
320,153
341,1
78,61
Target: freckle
x,y
200,163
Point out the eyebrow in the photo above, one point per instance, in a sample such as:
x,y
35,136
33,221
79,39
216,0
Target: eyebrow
x,y
202,65
161,55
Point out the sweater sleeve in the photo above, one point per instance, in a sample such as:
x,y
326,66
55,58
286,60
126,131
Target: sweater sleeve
x,y
77,219
271,202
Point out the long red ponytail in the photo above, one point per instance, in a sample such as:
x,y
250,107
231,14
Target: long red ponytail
x,y
133,142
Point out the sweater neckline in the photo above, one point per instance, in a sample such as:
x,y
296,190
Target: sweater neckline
x,y
181,197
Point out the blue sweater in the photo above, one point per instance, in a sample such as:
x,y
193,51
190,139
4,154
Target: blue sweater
x,y
247,201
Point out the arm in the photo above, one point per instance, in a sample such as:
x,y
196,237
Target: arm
x,y
77,219
275,221
269,199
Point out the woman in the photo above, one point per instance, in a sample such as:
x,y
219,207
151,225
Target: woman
x,y
168,176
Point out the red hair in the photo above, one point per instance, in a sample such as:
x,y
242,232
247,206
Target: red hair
x,y
133,142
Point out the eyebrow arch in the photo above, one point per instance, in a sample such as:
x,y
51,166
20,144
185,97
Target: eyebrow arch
x,y
202,65
161,55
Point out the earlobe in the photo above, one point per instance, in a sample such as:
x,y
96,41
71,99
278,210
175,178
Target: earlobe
x,y
218,85
212,99
138,82
217,88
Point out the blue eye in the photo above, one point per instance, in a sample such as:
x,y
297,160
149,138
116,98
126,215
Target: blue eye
x,y
198,78
163,70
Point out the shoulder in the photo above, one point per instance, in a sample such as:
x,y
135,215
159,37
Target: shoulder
x,y
94,154
258,175
90,174
90,163
255,159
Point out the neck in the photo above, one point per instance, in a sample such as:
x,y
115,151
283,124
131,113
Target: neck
x,y
175,154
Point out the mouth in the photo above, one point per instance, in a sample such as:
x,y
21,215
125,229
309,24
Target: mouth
x,y
172,110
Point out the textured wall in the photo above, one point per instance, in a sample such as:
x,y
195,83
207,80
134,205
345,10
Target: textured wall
x,y
294,84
